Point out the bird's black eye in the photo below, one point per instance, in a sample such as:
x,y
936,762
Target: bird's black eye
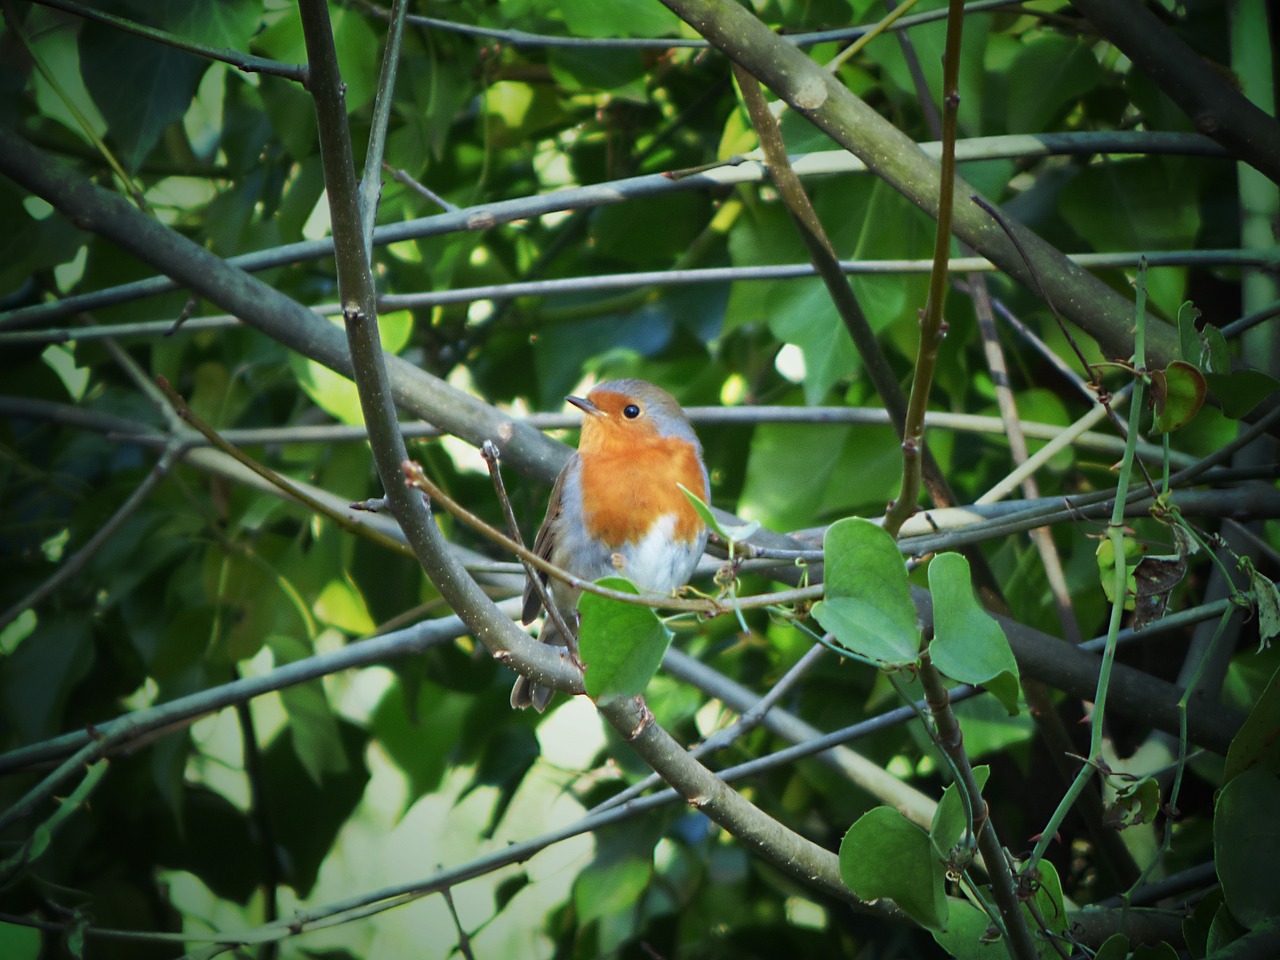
x,y
631,411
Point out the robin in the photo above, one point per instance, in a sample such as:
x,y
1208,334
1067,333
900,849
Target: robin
x,y
616,508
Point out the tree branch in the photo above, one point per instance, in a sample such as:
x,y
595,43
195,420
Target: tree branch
x,y
833,108
1203,92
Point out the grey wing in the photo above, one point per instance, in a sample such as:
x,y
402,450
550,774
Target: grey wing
x,y
543,544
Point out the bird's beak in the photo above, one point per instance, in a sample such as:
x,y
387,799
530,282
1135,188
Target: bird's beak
x,y
586,406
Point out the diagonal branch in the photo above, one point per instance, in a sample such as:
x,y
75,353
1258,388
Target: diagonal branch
x,y
1102,312
1203,91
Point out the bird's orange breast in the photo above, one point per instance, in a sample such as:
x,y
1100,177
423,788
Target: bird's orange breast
x,y
628,485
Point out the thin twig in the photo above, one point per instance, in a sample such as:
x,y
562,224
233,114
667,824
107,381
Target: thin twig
x,y
371,181
490,453
285,485
418,480
245,62
1042,537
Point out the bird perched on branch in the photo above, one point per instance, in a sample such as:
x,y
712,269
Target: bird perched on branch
x,y
617,509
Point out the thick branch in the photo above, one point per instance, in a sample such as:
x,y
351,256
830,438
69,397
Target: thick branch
x,y
829,105
1204,92
263,307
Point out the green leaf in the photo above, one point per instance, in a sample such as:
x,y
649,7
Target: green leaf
x,y
307,815
621,644
968,645
333,392
733,532
424,749
969,935
604,889
313,727
341,605
1177,393
802,314
866,601
950,819
886,855
1266,599
1050,903
1223,929
140,86
1239,391
1060,70
1215,356
1155,951
1195,928
222,23
1115,947
1106,557
784,491
1256,745
1246,842
1188,335
626,18
36,680
1136,802
18,942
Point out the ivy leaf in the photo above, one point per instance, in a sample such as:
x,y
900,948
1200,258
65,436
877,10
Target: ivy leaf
x,y
1177,393
866,601
1115,947
19,942
968,645
1215,355
728,532
1106,556
1188,335
1246,842
1266,600
1136,802
622,644
950,819
1239,391
969,934
141,87
313,728
1256,744
886,855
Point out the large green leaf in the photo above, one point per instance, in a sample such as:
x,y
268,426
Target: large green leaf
x,y
967,936
19,942
784,491
886,855
621,644
1241,390
333,392
1059,69
141,87
968,645
1246,841
312,724
627,18
36,681
306,814
1256,744
866,601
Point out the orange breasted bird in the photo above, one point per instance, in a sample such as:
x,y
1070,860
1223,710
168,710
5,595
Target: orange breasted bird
x,y
616,508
